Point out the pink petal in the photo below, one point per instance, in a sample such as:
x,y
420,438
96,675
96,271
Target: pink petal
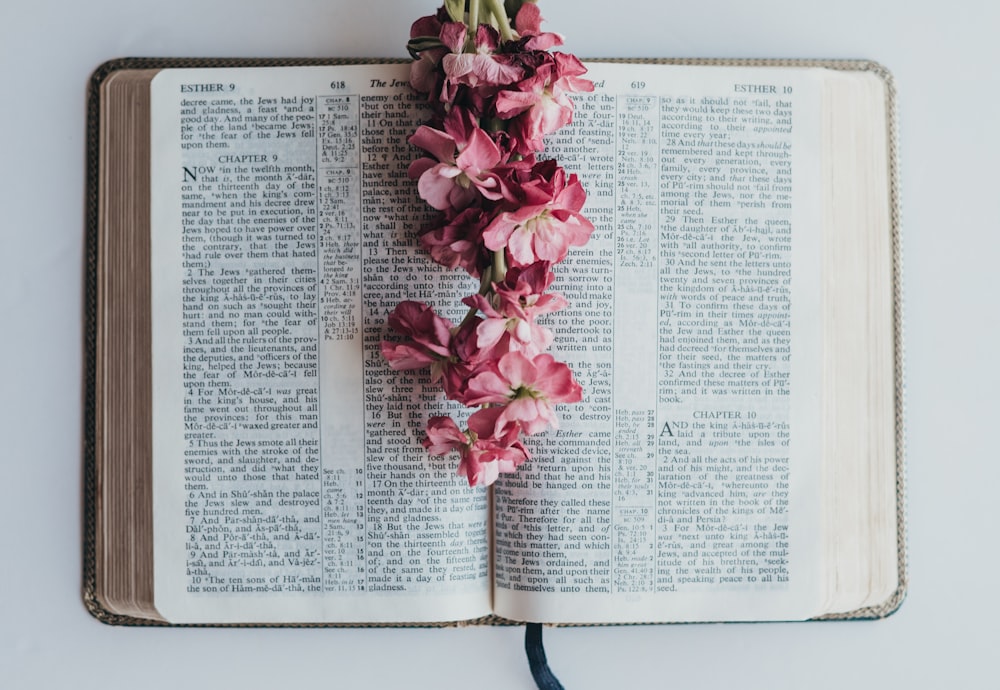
x,y
419,167
490,331
423,72
434,141
494,72
555,380
487,387
483,422
457,65
435,185
482,304
425,26
480,153
477,472
544,41
568,67
443,436
453,35
522,331
402,356
487,39
497,234
528,20
533,415
521,246
511,103
573,195
517,369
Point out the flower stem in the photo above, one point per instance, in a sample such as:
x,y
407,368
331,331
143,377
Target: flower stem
x,y
485,288
469,315
473,18
496,8
499,266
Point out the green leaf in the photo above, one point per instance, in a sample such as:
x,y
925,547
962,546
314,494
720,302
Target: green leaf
x,y
419,44
456,9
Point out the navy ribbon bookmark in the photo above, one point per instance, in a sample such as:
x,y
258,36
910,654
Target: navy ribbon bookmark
x,y
544,678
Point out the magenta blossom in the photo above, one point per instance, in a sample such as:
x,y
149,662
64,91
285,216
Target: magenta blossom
x,y
430,338
459,242
508,332
485,453
467,359
425,76
543,231
541,102
528,388
522,293
452,353
529,25
510,317
482,69
465,157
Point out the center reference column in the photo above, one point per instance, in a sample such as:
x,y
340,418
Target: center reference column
x,y
634,387
340,306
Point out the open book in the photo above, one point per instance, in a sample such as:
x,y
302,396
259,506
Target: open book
x,y
734,321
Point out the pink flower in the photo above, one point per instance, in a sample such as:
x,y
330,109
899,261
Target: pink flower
x,y
528,23
521,294
517,175
545,229
429,26
482,69
508,332
459,242
485,453
430,339
540,101
467,359
527,387
510,324
465,156
425,76
444,436
453,355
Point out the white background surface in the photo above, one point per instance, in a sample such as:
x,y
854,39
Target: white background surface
x,y
944,57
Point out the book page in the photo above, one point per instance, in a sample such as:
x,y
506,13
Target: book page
x,y
686,486
290,484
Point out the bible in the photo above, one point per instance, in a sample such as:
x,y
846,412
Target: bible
x,y
250,458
